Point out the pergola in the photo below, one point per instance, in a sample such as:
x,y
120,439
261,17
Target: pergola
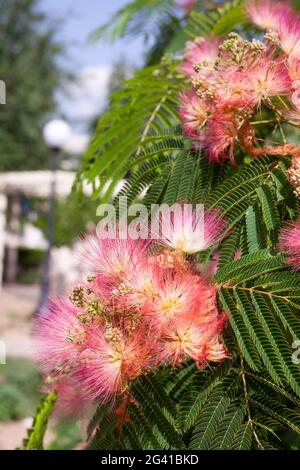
x,y
18,184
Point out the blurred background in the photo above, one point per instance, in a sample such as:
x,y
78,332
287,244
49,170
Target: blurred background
x,y
55,83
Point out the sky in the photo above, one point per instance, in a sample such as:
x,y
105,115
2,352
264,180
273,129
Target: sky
x,y
80,17
91,62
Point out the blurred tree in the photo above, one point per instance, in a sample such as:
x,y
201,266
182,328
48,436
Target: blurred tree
x,y
29,68
74,218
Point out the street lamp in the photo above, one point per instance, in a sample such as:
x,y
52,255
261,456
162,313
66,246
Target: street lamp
x,y
55,134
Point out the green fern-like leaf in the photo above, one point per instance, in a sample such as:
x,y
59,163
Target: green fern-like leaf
x,y
35,436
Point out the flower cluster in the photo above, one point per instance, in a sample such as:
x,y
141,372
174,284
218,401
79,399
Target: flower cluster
x,y
144,306
294,176
235,80
289,242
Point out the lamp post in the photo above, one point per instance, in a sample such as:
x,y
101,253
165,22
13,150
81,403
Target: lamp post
x,y
55,134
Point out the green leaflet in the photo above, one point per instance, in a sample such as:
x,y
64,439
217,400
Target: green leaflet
x,y
35,436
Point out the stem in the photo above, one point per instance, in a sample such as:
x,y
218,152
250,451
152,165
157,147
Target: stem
x,y
247,401
127,399
264,121
251,289
281,132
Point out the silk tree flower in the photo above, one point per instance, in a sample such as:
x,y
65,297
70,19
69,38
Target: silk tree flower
x,y
59,336
292,115
201,52
293,65
195,338
118,325
188,230
221,135
178,294
267,14
268,77
234,91
289,35
114,357
113,257
218,111
70,403
194,113
289,242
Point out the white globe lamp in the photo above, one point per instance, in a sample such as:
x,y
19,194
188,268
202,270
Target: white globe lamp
x,y
56,133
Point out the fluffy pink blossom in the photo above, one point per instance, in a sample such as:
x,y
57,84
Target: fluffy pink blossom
x,y
267,14
221,136
292,115
114,256
113,358
215,350
293,64
233,90
195,338
268,77
121,322
59,336
289,35
289,242
70,401
217,113
203,52
194,112
187,229
178,294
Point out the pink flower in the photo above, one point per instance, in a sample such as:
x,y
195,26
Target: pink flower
x,y
289,35
293,64
268,77
221,136
140,311
201,51
292,115
177,294
196,338
194,112
234,91
70,403
114,357
215,350
267,14
59,336
114,257
289,242
187,229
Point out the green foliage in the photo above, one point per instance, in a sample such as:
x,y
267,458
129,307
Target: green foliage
x,y
19,389
67,434
136,18
217,21
73,218
139,117
29,68
226,408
